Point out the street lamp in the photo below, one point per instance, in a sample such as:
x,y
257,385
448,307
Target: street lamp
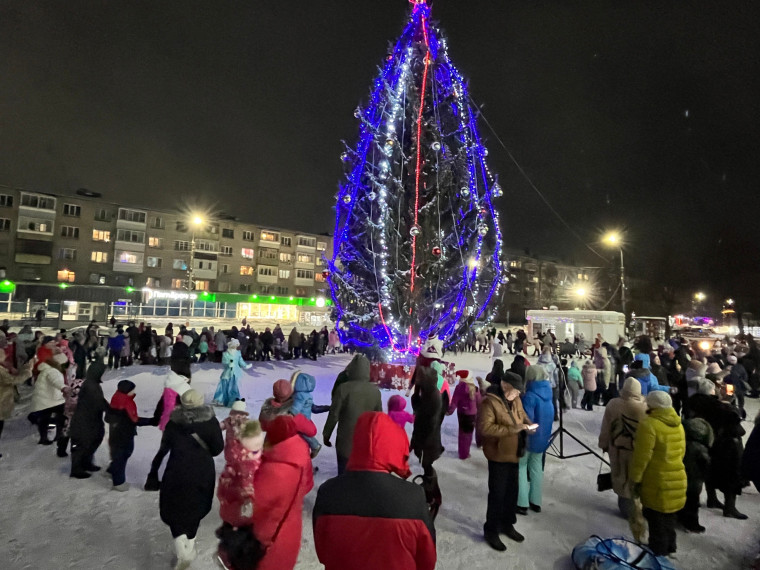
x,y
197,222
613,239
699,296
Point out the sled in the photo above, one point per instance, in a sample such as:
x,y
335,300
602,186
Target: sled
x,y
617,554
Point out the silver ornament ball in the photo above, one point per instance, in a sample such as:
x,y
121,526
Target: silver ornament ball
x,y
465,192
347,198
436,146
482,229
415,230
372,196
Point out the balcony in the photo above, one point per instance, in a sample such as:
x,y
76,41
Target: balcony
x,y
266,279
301,282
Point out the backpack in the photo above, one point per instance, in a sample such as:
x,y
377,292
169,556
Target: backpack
x,y
617,554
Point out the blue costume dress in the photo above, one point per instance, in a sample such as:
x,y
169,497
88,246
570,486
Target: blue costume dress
x,y
227,391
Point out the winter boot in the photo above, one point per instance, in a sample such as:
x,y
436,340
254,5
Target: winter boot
x,y
513,534
185,549
123,488
63,443
493,540
730,509
712,499
152,483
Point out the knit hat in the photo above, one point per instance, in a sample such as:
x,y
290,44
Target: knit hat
x,y
632,386
732,359
125,386
187,339
657,399
239,406
465,376
713,368
282,390
234,343
192,399
60,358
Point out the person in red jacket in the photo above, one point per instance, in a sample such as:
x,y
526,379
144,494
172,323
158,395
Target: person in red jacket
x,y
281,482
367,518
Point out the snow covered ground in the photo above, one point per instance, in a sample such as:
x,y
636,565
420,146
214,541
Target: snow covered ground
x,y
51,521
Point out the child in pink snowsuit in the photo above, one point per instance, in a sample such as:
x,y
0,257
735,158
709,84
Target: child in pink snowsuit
x,y
244,442
174,386
465,402
396,410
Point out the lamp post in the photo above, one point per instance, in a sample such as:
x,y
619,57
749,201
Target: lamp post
x,y
197,222
613,239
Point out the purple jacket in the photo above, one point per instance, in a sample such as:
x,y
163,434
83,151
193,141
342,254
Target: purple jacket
x,y
462,402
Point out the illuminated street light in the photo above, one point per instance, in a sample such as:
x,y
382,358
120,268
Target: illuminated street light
x,y
198,221
730,302
700,296
613,239
581,292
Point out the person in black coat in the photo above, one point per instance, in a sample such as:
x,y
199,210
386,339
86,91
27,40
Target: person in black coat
x,y
518,366
182,357
428,415
751,457
79,352
194,438
725,462
87,428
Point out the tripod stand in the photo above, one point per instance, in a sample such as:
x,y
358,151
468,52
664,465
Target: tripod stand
x,y
561,431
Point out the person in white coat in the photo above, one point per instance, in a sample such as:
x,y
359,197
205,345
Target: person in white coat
x,y
47,399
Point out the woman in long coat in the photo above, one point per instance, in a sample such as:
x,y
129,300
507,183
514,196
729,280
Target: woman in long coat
x,y
621,420
194,438
87,428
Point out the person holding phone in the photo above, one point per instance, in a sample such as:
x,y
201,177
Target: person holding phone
x,y
503,425
538,405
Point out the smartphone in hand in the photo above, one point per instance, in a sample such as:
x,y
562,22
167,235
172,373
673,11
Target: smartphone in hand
x,y
532,427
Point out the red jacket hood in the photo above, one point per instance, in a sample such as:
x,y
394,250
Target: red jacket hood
x,y
379,445
122,401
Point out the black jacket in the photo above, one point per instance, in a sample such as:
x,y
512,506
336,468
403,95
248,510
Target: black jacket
x,y
87,422
429,412
187,489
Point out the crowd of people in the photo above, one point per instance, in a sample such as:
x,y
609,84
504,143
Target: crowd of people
x,y
674,426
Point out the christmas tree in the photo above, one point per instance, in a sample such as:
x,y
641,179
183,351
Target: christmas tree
x,y
417,251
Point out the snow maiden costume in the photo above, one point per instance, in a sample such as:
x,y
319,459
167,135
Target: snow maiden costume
x,y
227,391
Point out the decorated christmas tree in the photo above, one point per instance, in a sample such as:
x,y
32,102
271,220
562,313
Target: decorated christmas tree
x,y
417,252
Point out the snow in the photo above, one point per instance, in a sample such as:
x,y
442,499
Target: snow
x,y
51,521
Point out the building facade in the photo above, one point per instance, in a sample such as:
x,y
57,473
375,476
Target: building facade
x,y
76,250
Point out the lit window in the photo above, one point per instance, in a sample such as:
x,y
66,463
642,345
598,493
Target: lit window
x,y
154,242
178,283
180,264
286,257
101,235
201,285
246,270
305,258
154,282
321,246
284,273
128,257
247,253
270,236
66,276
99,256
154,262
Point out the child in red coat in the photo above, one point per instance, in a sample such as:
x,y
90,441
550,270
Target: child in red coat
x,y
243,445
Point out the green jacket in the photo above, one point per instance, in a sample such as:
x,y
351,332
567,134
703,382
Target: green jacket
x,y
657,461
351,399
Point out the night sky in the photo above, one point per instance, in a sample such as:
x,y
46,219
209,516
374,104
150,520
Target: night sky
x,y
636,115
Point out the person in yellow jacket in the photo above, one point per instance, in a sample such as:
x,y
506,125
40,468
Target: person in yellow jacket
x,y
657,470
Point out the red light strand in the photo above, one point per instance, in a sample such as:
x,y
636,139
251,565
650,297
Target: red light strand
x,y
419,161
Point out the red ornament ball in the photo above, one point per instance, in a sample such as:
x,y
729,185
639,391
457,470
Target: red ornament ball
x,y
437,251
326,273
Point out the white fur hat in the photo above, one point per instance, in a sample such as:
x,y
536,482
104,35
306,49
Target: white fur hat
x,y
234,343
239,406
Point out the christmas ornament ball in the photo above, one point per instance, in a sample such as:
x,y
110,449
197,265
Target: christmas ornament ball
x,y
415,230
465,192
482,229
437,251
436,146
347,198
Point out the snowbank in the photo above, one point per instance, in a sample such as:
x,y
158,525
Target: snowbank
x,y
51,521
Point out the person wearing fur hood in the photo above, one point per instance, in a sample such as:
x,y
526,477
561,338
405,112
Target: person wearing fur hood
x,y
193,438
174,386
227,392
618,433
466,402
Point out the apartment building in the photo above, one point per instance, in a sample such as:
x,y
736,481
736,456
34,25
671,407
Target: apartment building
x,y
104,252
